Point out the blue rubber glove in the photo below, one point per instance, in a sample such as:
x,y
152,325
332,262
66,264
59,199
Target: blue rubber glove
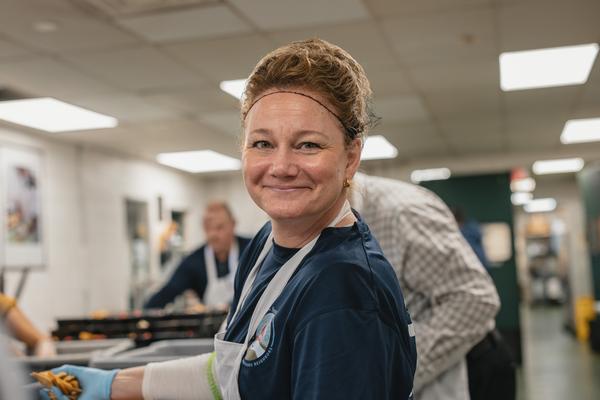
x,y
95,383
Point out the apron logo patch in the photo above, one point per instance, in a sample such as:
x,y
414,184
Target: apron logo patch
x,y
261,345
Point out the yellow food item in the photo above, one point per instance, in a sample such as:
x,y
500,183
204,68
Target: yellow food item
x,y
67,384
6,303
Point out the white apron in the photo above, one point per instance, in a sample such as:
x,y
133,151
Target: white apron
x,y
452,384
219,290
230,354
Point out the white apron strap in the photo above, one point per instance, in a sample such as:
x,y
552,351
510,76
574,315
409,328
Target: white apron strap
x,y
228,365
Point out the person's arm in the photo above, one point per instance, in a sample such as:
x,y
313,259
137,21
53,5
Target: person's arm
x,y
185,277
22,329
438,265
98,384
127,384
191,378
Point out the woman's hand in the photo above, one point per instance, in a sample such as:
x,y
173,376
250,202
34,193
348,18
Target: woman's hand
x,y
95,383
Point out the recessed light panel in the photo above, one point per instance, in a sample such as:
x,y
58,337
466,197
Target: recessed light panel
x,y
53,115
558,66
378,147
520,198
540,205
432,174
199,161
561,166
523,185
234,87
581,131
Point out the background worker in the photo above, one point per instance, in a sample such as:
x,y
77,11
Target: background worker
x,y
209,270
451,298
21,328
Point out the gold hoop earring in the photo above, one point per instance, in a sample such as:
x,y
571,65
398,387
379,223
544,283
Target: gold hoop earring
x,y
346,183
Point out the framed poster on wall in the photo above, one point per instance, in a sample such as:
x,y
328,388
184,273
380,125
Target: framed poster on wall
x,y
21,238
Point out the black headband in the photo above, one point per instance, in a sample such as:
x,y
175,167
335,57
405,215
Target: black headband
x,y
352,132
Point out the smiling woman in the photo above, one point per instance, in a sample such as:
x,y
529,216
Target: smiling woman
x,y
317,311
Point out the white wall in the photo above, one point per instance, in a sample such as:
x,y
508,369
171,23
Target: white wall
x,y
106,181
84,228
59,289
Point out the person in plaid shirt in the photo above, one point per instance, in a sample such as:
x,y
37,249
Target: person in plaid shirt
x,y
451,298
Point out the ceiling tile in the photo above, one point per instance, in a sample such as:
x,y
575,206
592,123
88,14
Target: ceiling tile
x,y
529,141
538,24
195,100
403,8
47,77
388,80
400,109
549,100
224,121
591,90
479,132
481,75
545,127
363,40
150,139
472,101
76,29
585,111
285,14
443,38
121,8
413,140
223,59
125,107
203,22
473,144
9,49
137,68
477,125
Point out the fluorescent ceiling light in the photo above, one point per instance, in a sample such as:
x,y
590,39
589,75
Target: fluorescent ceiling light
x,y
558,66
540,205
557,166
432,174
377,147
520,198
581,130
199,161
53,115
234,87
523,185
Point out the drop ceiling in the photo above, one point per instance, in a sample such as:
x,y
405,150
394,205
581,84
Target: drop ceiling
x,y
156,66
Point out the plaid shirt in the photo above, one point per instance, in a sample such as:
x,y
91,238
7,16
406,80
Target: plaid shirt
x,y
450,296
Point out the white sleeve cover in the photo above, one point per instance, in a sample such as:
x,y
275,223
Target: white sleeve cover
x,y
182,379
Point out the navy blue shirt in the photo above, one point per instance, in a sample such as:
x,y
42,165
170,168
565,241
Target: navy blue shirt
x,y
191,274
339,329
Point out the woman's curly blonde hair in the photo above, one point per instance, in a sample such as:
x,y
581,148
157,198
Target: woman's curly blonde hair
x,y
320,66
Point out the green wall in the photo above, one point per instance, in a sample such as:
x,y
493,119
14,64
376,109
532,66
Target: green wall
x,y
589,183
486,198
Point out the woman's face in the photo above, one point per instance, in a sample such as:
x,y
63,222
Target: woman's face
x,y
294,158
